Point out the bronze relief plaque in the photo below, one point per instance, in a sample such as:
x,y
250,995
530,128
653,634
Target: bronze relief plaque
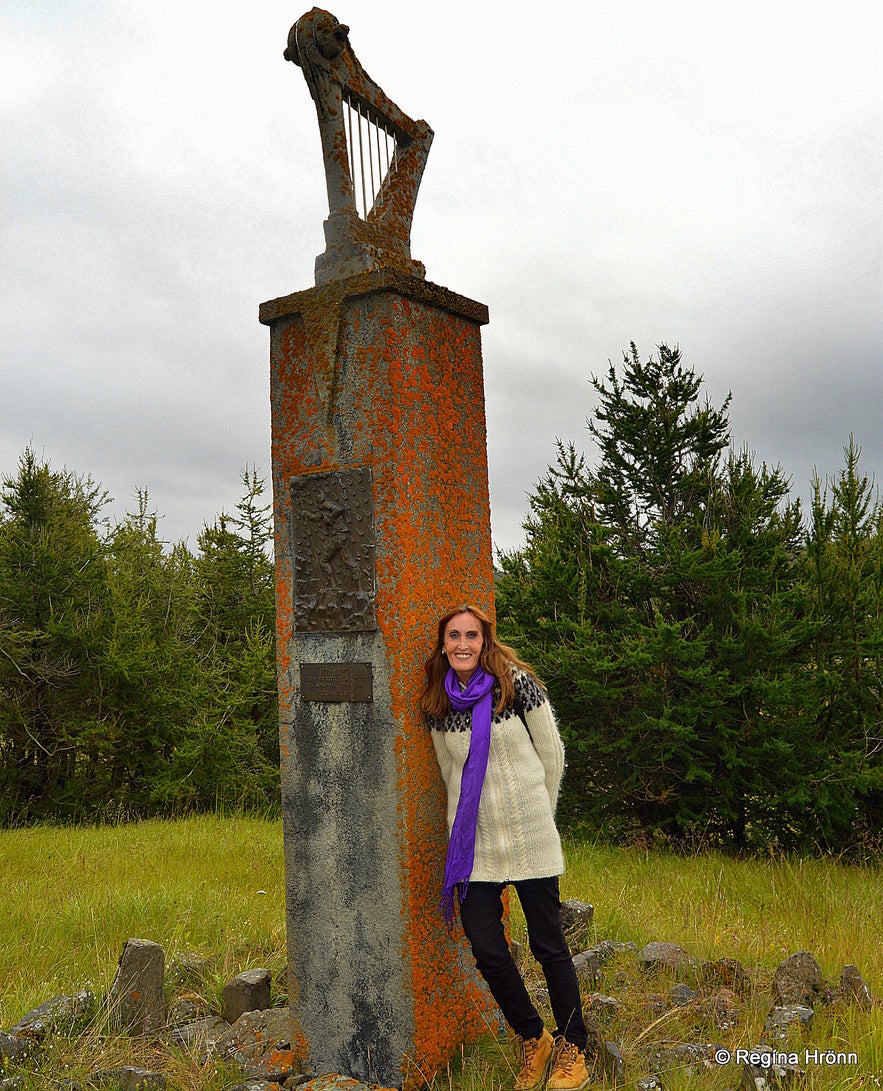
x,y
333,538
336,682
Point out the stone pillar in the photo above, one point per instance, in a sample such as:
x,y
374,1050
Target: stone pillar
x,y
381,523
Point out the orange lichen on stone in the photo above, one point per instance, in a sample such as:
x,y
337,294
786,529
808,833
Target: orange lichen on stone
x,y
403,396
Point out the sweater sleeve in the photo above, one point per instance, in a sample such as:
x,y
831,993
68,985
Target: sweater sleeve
x,y
544,734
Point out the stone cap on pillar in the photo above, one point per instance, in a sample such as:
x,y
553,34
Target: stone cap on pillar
x,y
380,280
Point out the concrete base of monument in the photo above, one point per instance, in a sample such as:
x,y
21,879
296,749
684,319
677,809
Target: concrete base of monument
x,y
382,522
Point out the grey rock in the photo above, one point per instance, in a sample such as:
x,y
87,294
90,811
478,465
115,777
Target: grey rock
x,y
136,1001
722,1009
604,1005
728,972
655,1005
131,1078
253,1034
780,1019
768,1071
248,991
691,1057
13,1048
854,989
576,915
256,1085
201,1034
13,1083
186,1009
607,948
648,1083
681,995
798,980
610,1057
61,1013
656,956
335,1082
588,967
516,950
277,1065
189,970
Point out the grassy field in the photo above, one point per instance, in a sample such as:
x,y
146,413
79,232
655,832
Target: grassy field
x,y
213,886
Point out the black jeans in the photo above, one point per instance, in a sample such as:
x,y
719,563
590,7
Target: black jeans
x,y
481,912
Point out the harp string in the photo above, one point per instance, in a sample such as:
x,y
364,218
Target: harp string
x,y
372,153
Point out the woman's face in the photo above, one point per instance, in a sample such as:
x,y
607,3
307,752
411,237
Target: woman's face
x,y
463,643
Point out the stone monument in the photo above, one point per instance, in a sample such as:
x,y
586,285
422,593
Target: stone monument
x,y
381,522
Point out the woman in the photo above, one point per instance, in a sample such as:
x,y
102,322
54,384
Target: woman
x,y
501,758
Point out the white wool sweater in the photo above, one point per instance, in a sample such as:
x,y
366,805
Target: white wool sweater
x,y
515,836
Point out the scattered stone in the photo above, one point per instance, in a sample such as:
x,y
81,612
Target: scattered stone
x,y
576,915
130,1078
14,1083
253,1035
728,972
188,970
691,1057
13,1048
854,989
276,1066
722,1009
136,1001
594,1034
256,1085
681,995
648,1083
335,1082
61,1013
588,967
656,956
248,991
798,980
766,1068
188,1008
604,1005
781,1019
612,1064
201,1035
607,948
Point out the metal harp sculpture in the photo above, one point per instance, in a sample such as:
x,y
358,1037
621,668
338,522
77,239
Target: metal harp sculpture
x,y
374,154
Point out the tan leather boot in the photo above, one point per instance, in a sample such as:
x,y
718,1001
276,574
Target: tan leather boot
x,y
569,1072
535,1057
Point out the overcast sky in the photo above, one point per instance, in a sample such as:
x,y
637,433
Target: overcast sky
x,y
624,170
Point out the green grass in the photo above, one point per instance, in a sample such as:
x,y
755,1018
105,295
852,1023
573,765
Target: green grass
x,y
214,887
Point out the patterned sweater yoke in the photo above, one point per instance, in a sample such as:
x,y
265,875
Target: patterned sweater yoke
x,y
515,837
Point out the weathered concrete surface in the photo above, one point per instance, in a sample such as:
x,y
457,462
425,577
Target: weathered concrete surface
x,y
380,371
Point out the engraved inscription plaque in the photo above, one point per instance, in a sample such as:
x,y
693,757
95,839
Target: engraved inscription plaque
x,y
336,682
333,537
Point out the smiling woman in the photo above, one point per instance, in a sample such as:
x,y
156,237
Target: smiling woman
x,y
501,758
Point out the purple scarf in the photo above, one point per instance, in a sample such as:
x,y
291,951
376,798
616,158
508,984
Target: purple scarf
x,y
478,696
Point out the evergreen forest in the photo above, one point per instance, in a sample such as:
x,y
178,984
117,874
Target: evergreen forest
x,y
713,651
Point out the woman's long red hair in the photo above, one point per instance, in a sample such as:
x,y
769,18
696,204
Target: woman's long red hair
x,y
496,658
